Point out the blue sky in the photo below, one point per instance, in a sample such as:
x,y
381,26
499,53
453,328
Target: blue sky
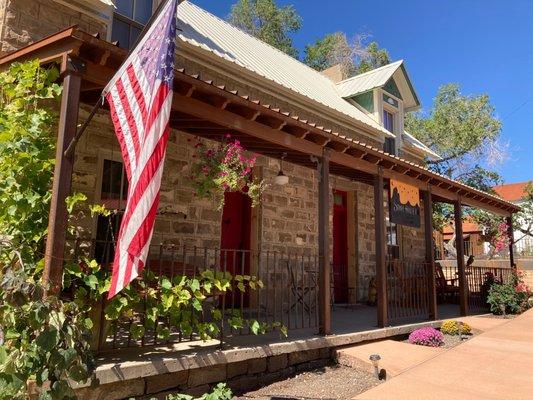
x,y
486,46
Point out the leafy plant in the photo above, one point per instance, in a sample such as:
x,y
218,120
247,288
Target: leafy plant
x,y
184,303
225,168
454,327
27,149
426,337
509,298
46,340
220,392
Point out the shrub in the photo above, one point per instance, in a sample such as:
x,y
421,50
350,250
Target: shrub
x,y
453,328
426,337
509,298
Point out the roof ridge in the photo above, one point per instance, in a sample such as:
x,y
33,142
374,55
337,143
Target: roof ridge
x,y
370,72
255,38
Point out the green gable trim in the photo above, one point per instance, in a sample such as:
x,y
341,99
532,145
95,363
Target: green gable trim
x,y
391,87
365,100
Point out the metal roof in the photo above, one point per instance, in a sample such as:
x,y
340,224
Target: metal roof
x,y
378,78
204,30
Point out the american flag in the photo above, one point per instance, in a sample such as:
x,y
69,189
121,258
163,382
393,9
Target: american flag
x,y
140,99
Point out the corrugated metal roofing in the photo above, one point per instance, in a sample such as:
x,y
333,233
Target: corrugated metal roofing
x,y
369,80
204,30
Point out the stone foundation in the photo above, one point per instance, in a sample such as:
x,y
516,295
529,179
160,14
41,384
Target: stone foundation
x,y
240,376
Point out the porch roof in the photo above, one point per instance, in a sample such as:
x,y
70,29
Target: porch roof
x,y
203,108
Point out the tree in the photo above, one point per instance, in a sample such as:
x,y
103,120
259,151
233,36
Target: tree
x,y
375,58
267,22
353,56
462,129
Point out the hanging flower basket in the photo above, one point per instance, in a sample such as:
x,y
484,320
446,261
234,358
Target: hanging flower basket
x,y
225,168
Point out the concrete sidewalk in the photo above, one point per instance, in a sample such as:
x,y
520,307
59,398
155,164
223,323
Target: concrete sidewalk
x,y
497,364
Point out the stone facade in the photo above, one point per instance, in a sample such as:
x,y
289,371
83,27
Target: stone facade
x,y
286,220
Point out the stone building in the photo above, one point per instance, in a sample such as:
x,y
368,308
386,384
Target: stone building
x,y
358,119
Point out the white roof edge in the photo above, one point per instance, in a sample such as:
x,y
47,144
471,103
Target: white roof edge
x,y
421,146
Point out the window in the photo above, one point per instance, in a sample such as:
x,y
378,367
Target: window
x,y
390,145
388,121
129,19
113,193
393,246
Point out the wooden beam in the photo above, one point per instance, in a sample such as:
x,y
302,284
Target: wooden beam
x,y
510,234
459,245
57,220
430,254
381,250
239,123
323,246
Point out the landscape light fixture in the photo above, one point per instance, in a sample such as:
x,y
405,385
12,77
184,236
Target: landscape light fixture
x,y
281,179
375,362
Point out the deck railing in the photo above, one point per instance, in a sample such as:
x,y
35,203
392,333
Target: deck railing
x,y
407,290
478,279
289,296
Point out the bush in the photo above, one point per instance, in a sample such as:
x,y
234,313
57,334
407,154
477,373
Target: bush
x,y
453,328
426,337
509,298
220,392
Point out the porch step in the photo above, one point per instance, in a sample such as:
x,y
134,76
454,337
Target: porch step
x,y
396,357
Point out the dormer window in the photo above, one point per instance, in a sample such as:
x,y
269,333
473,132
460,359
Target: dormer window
x,y
129,19
388,121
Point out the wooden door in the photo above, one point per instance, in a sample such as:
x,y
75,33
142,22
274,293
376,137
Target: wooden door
x,y
340,246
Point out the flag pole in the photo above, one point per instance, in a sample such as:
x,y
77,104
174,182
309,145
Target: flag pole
x,y
101,99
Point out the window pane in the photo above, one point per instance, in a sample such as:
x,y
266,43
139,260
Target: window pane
x,y
134,34
121,32
143,11
112,177
388,121
125,7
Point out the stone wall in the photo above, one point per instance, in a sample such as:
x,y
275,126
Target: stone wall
x,y
241,376
25,21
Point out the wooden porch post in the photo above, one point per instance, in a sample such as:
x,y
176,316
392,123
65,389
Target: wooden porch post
x,y
430,255
463,288
323,247
381,247
510,233
57,222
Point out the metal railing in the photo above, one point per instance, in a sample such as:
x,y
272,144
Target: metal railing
x,y
289,296
407,290
478,279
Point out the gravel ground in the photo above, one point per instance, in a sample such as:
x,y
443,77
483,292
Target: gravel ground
x,y
333,382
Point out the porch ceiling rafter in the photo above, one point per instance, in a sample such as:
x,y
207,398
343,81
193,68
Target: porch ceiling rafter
x,y
203,108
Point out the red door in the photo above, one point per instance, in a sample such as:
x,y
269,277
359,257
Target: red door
x,y
340,246
235,240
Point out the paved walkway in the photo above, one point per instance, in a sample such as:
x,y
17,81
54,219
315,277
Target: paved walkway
x,y
497,364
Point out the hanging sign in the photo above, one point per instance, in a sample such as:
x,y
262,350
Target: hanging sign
x,y
404,204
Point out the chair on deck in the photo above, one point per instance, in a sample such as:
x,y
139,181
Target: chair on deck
x,y
446,287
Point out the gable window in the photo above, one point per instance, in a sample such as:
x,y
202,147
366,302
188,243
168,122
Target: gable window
x,y
388,121
129,19
113,193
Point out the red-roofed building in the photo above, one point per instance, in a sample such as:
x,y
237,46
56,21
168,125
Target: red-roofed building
x,y
513,192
